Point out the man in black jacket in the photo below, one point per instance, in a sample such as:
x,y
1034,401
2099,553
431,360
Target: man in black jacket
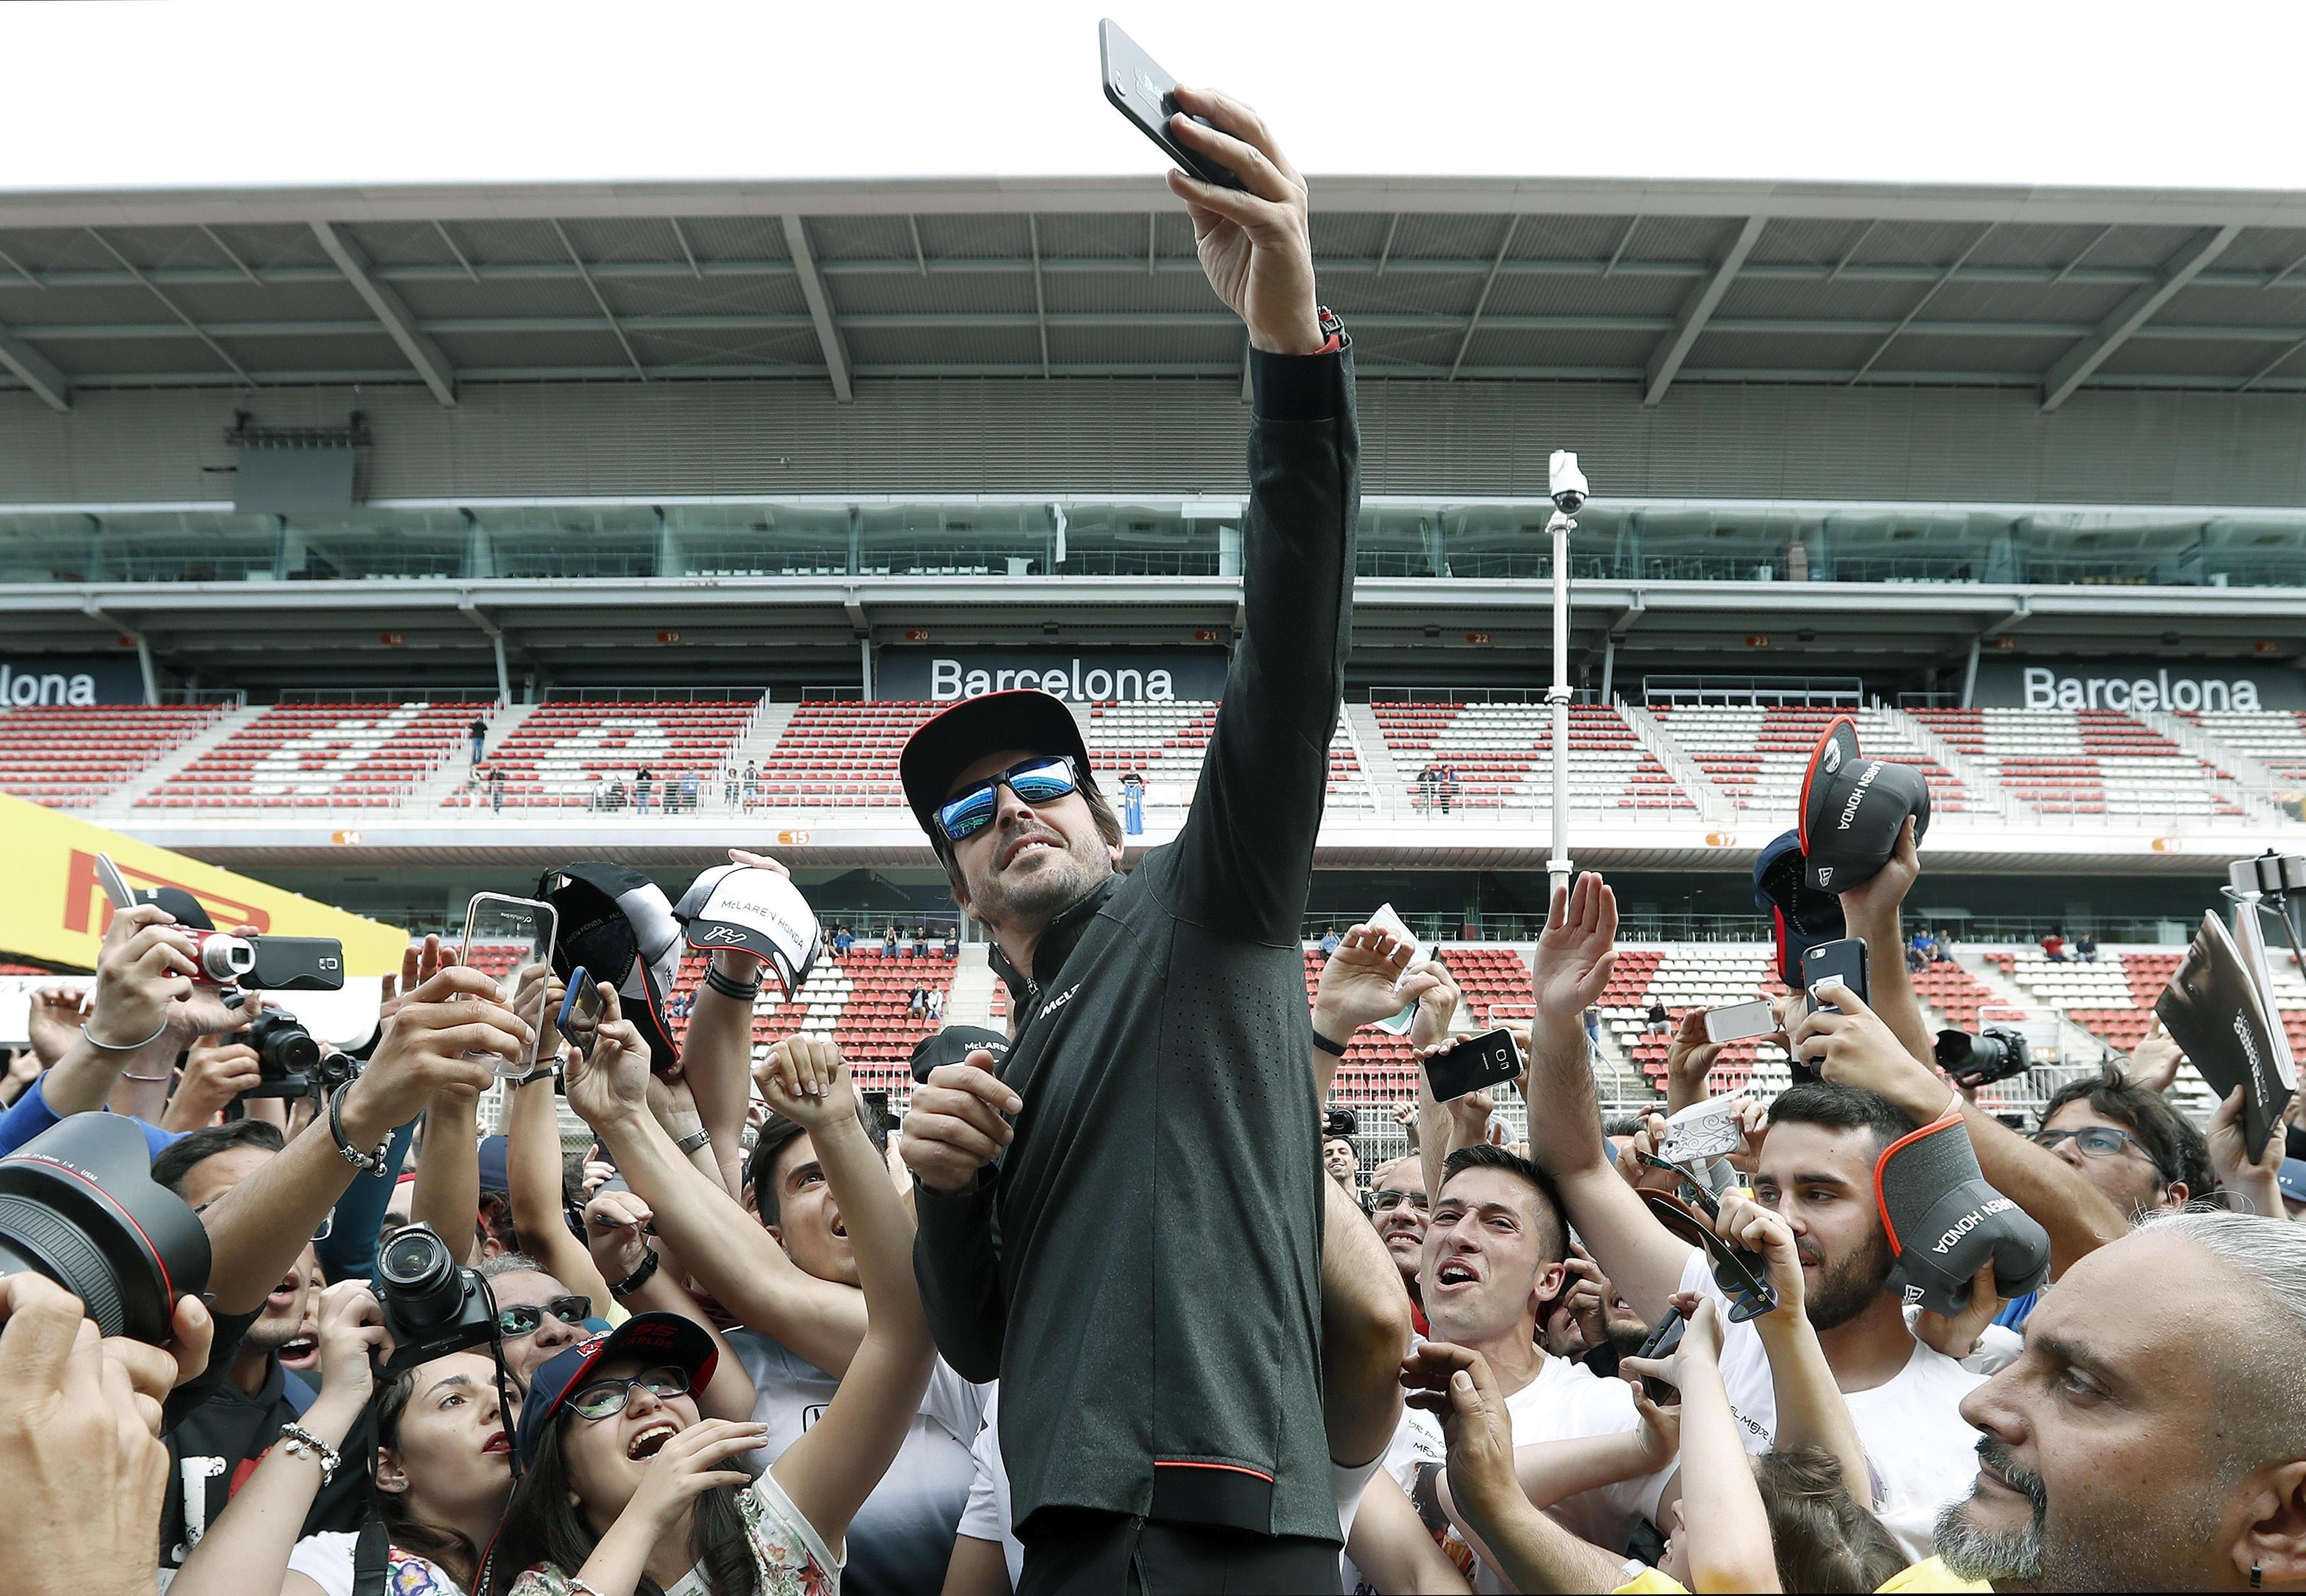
x,y
1138,1259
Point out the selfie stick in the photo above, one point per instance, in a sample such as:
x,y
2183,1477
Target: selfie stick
x,y
1567,485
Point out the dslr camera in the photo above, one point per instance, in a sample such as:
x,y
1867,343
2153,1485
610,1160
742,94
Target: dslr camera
x,y
293,1061
1996,1052
1340,1122
433,1306
78,1204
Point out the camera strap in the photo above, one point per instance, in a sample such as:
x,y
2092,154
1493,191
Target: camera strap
x,y
371,1558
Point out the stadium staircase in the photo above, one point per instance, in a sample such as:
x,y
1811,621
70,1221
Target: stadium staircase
x,y
2256,783
121,799
970,1000
1984,794
1712,803
1385,780
455,775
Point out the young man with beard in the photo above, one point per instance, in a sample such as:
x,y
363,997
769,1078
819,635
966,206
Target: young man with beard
x,y
2152,1436
219,1443
1125,1224
1816,1169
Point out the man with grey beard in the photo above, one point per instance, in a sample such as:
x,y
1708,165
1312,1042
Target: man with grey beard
x,y
2153,1435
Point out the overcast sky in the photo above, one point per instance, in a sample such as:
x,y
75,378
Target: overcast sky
x,y
174,95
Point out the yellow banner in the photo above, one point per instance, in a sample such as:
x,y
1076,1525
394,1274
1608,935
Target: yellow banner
x,y
53,909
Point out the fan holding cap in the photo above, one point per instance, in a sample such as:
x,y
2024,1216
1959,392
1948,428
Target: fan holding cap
x,y
1853,809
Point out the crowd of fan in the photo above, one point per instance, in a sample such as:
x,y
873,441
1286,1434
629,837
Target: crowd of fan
x,y
776,1407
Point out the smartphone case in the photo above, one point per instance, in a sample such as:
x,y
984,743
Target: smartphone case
x,y
1145,94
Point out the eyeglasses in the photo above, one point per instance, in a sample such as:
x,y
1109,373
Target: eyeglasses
x,y
515,1322
2100,1141
1386,1201
1041,780
605,1399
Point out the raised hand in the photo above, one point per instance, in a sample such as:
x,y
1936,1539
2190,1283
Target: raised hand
x,y
1455,1384
1436,1002
1254,242
1875,899
52,1022
2153,1062
691,1464
1577,949
1357,986
1743,1221
215,1071
805,1080
146,964
616,1229
613,1081
424,1051
956,1125
1957,1337
1855,1048
2256,1181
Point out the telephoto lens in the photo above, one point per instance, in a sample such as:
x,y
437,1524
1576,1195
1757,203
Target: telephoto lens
x,y
1996,1053
78,1204
432,1306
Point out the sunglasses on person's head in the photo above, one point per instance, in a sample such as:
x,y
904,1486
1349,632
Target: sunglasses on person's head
x,y
1041,780
2100,1141
572,1310
605,1399
1385,1201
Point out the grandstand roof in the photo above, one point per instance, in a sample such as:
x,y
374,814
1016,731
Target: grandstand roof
x,y
1440,279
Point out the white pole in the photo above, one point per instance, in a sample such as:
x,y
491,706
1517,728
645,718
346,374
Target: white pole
x,y
1558,867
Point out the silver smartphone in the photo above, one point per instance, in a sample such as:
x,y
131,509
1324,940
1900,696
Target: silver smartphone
x,y
511,941
1739,1022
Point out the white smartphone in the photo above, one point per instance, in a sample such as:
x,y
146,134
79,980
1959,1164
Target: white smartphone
x,y
510,940
1388,920
1739,1022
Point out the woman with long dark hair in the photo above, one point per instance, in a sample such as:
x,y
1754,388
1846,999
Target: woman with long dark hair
x,y
443,1471
626,1490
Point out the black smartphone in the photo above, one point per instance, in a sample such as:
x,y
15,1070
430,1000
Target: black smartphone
x,y
1145,94
296,964
1665,1335
1473,1064
1843,960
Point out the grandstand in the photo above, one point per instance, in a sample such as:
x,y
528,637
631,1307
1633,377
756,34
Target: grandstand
x,y
689,478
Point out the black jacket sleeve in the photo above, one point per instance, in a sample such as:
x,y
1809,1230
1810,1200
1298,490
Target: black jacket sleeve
x,y
1244,860
958,1271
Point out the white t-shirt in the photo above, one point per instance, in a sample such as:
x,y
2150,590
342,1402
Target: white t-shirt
x,y
988,1515
1922,1453
1566,1402
902,1539
327,1560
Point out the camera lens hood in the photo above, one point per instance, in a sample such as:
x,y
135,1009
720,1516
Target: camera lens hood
x,y
78,1205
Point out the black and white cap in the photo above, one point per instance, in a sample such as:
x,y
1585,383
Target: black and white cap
x,y
1943,1221
756,911
617,924
1853,808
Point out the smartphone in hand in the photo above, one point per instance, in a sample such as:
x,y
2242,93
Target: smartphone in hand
x,y
1739,1022
1140,90
580,1012
1473,1063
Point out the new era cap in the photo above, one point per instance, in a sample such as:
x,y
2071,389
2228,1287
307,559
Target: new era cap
x,y
953,1044
615,922
1944,1222
1853,808
661,1340
942,749
1801,917
756,911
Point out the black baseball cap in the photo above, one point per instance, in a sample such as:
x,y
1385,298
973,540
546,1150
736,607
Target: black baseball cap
x,y
663,1339
953,1044
187,909
617,924
1853,808
942,748
1943,1221
1801,917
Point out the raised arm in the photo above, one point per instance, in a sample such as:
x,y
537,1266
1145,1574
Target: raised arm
x,y
716,1054
1365,1329
1729,1547
448,1194
1368,978
1870,911
838,1461
143,978
257,1229
1574,956
533,1169
729,1253
1811,1412
1246,857
617,1223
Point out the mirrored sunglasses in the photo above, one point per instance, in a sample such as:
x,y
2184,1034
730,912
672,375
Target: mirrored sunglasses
x,y
1041,780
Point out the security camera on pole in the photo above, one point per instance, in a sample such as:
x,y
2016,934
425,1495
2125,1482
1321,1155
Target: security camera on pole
x,y
1567,485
